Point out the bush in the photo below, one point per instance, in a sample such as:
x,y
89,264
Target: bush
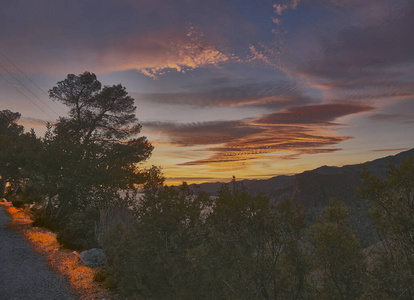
x,y
100,276
77,231
39,219
18,202
31,194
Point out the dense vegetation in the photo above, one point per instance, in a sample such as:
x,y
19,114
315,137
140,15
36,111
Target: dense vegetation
x,y
178,243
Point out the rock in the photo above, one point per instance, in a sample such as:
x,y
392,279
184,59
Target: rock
x,y
93,257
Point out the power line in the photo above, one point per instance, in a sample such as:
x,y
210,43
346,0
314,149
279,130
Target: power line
x,y
28,78
24,94
15,78
1,53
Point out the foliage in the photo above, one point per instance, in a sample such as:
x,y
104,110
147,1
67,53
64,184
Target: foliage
x,y
183,245
90,157
248,247
339,254
18,154
78,230
393,215
18,202
150,258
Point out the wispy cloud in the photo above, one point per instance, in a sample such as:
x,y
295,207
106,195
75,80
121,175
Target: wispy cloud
x,y
403,118
366,53
126,35
238,143
158,52
185,55
203,133
30,122
390,150
231,94
323,114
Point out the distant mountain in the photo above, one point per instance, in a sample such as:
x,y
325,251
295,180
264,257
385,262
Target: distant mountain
x,y
313,189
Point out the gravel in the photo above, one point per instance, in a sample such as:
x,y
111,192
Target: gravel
x,y
25,274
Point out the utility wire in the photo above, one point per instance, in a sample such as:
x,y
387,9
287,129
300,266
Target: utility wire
x,y
27,89
28,78
1,53
24,94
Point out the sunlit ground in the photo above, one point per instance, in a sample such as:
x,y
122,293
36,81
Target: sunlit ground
x,y
63,261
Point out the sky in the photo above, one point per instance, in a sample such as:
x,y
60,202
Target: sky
x,y
250,88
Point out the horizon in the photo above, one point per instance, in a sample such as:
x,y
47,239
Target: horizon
x,y
223,88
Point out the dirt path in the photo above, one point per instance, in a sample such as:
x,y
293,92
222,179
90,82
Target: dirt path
x,y
23,273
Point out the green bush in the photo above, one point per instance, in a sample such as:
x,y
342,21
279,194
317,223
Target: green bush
x,y
77,231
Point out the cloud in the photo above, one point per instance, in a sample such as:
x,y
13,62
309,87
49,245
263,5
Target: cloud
x,y
158,52
115,36
30,122
390,150
280,8
236,144
279,139
184,55
361,53
265,54
323,114
231,94
393,118
202,133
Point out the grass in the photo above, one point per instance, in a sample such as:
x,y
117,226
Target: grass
x,y
63,261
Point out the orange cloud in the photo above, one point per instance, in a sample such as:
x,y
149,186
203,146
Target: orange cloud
x,y
243,151
184,54
297,130
158,52
152,52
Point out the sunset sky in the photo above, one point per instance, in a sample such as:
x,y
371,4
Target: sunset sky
x,y
251,88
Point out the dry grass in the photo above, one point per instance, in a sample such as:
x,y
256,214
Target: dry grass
x,y
63,261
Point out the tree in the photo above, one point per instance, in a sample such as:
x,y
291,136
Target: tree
x,y
151,260
91,155
392,211
18,152
252,249
338,254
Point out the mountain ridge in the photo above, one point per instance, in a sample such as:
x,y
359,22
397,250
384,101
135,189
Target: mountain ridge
x,y
313,189
377,167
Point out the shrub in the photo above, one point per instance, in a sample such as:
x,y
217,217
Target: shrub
x,y
39,219
77,231
18,202
100,276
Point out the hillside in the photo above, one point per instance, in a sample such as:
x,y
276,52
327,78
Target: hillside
x,y
313,189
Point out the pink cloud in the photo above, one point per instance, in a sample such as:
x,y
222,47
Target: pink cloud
x,y
158,52
238,143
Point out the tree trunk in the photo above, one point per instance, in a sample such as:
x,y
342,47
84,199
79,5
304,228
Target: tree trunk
x,y
2,186
16,187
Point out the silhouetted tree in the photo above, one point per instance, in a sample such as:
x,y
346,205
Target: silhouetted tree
x,y
151,259
18,152
338,254
250,248
393,214
93,154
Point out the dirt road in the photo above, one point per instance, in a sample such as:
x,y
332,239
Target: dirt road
x,y
24,274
